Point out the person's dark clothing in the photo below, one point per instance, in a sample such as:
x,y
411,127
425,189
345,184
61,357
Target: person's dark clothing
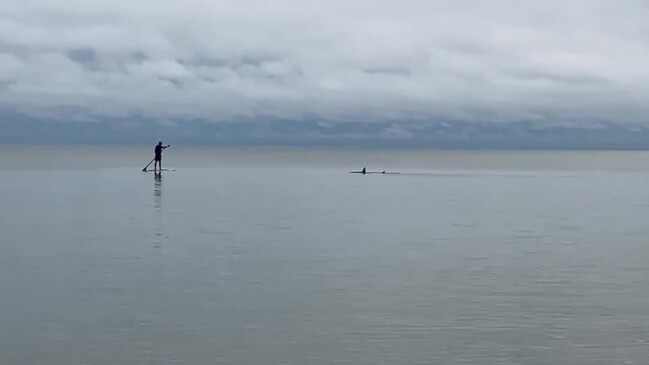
x,y
158,153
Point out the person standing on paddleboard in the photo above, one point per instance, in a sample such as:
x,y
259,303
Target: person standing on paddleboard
x,y
158,156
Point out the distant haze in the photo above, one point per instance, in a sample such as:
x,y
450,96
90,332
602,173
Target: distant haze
x,y
463,73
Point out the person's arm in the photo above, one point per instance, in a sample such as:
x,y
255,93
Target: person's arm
x,y
167,146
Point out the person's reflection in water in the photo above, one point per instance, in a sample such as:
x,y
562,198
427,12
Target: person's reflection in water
x,y
157,203
157,189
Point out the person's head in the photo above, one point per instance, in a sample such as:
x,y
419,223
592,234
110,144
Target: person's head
x,y
159,143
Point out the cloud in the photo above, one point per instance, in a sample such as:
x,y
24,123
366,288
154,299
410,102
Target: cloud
x,y
501,61
396,131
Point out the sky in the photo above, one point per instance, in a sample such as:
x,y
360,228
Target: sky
x,y
408,72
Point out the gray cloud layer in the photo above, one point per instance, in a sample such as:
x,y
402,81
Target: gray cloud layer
x,y
576,62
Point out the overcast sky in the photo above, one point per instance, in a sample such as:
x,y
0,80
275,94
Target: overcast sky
x,y
573,63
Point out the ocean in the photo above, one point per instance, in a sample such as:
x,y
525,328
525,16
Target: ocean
x,y
280,256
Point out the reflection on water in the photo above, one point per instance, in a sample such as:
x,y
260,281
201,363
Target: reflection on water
x,y
157,190
157,203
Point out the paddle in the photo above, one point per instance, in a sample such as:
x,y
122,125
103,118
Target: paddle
x,y
147,165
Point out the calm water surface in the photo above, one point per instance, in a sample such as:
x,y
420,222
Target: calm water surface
x,y
279,256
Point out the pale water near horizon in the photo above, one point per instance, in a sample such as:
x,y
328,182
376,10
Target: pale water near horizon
x,y
280,256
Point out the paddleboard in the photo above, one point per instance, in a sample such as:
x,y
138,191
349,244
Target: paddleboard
x,y
160,170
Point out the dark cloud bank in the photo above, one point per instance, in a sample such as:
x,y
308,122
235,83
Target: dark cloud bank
x,y
461,74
